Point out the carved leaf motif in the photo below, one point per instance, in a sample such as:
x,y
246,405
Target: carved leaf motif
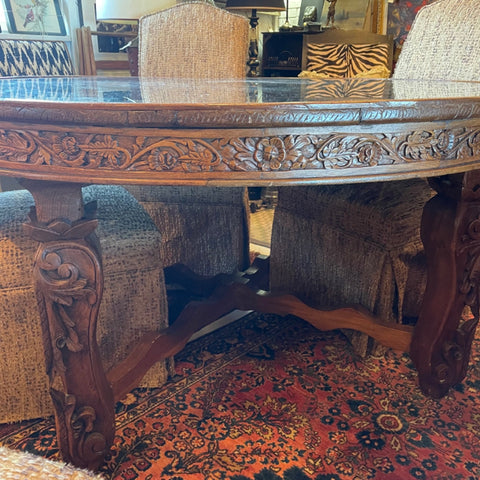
x,y
59,229
244,153
266,153
14,144
41,156
337,152
106,152
198,156
418,146
70,340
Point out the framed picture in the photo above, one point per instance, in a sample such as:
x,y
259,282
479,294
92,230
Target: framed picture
x,y
310,10
345,14
35,17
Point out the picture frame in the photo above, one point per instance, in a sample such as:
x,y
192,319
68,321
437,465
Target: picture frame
x,y
308,4
349,14
35,17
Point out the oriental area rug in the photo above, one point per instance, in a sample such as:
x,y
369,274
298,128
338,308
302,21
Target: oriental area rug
x,y
272,398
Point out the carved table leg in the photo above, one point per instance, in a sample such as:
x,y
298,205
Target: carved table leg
x,y
442,342
69,282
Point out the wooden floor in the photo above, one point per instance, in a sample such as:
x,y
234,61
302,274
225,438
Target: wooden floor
x,y
261,230
260,234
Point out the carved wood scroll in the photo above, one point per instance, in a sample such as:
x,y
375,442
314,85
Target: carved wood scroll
x,y
69,284
273,153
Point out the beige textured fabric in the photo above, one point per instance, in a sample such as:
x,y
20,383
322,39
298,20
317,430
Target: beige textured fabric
x,y
443,43
359,255
205,228
367,246
193,40
16,465
134,299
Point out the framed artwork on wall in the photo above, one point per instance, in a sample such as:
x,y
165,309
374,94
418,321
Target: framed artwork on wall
x,y
35,17
307,7
401,14
344,14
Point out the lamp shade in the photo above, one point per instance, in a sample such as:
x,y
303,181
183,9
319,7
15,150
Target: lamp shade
x,y
129,9
261,5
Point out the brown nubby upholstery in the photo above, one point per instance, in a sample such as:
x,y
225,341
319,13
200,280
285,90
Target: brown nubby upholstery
x,y
134,298
205,228
361,243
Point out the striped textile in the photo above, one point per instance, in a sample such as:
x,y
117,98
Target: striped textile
x,y
34,58
341,60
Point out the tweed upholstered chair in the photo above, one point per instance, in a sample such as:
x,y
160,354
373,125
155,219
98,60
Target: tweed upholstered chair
x,y
134,298
205,228
367,247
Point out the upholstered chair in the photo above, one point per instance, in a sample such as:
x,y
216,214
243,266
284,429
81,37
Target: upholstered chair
x,y
134,298
205,228
361,243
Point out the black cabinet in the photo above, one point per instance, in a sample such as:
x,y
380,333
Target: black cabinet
x,y
282,54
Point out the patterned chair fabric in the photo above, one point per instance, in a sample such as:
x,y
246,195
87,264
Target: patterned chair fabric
x,y
134,297
16,465
34,58
205,228
367,249
346,54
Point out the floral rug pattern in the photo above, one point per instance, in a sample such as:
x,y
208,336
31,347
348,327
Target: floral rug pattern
x,y
270,398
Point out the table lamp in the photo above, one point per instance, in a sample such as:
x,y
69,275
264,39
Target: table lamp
x,y
254,5
129,11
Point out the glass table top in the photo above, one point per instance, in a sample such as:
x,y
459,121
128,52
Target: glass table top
x,y
133,90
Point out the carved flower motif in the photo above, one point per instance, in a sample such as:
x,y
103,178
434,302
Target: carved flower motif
x,y
162,159
270,153
67,147
369,153
275,153
474,143
68,151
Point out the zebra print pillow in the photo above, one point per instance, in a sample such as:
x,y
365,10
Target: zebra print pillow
x,y
345,61
34,58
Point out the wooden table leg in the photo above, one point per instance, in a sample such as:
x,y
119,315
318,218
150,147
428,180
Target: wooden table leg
x,y
69,282
442,340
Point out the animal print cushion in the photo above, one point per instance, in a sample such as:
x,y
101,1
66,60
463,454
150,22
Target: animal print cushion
x,y
345,61
34,58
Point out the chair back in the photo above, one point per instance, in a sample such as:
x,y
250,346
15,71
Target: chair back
x,y
193,40
443,43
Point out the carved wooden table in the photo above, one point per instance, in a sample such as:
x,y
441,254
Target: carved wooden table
x,y
59,133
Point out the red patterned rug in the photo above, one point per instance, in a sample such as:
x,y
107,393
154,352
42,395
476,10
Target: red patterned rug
x,y
270,398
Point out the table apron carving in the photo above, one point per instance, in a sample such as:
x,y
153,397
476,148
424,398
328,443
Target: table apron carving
x,y
194,153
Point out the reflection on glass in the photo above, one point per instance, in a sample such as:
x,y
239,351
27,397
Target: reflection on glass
x,y
128,90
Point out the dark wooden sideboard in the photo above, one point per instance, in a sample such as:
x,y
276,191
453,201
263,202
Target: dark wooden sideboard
x,y
282,54
285,53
